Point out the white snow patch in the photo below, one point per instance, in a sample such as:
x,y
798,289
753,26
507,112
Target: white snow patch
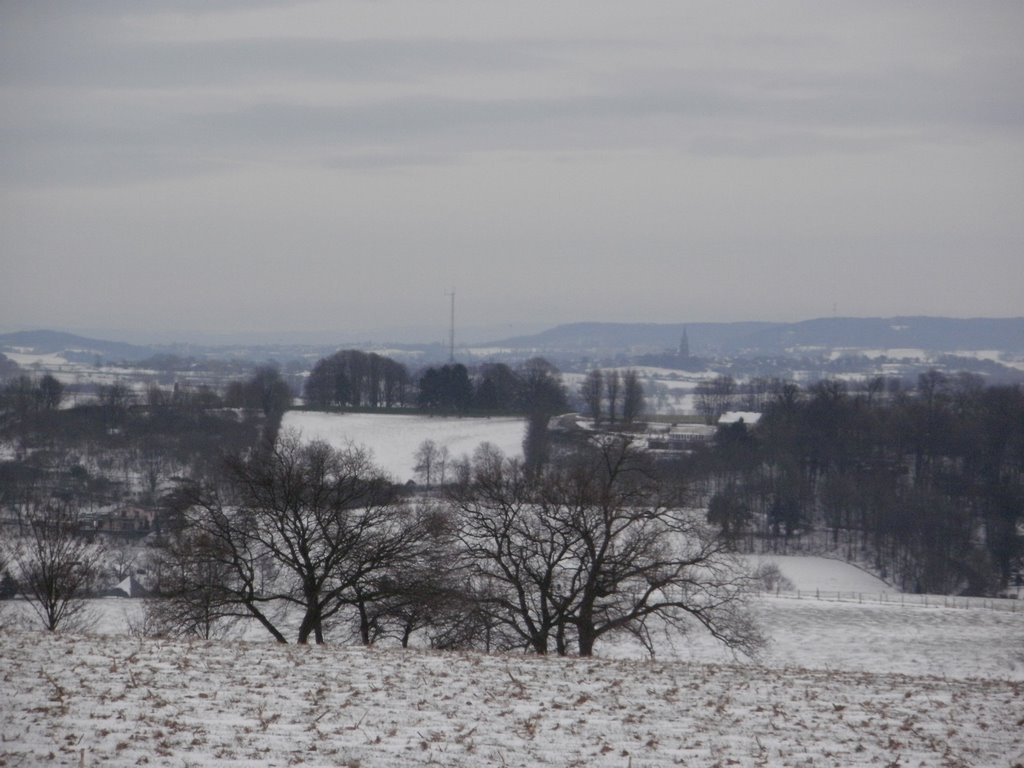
x,y
28,359
393,439
808,574
747,417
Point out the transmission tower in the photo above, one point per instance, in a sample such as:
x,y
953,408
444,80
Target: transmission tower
x,y
451,330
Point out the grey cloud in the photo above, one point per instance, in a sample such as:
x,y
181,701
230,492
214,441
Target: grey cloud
x,y
702,112
728,107
99,61
393,132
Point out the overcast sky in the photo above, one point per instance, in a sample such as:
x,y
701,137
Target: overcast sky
x,y
167,167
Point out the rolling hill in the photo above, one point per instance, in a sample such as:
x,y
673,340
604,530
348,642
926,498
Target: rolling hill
x,y
933,334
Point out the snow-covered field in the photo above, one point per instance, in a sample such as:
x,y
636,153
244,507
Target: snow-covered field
x,y
393,439
840,684
821,573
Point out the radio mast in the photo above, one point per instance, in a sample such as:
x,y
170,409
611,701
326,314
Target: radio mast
x,y
451,331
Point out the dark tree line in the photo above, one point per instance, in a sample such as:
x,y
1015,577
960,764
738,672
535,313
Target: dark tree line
x,y
354,379
446,389
927,482
264,390
351,378
611,398
533,387
22,396
8,368
715,397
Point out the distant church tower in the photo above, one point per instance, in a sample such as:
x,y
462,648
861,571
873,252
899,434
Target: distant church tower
x,y
684,346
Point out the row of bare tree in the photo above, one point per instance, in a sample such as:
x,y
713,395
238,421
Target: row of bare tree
x,y
305,539
611,397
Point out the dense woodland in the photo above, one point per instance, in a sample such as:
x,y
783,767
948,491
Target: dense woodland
x,y
361,380
925,484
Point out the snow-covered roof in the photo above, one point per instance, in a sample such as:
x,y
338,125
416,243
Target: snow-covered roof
x,y
747,417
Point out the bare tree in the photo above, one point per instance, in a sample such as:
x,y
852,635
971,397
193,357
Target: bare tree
x,y
426,461
512,556
429,592
592,548
308,526
116,397
541,389
8,586
51,392
536,442
542,395
195,597
592,391
442,462
57,566
121,561
613,386
632,397
715,397
728,510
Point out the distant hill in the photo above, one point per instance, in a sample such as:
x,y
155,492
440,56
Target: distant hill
x,y
636,338
932,334
579,340
71,346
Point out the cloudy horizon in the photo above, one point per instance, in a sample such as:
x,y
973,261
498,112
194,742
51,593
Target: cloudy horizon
x,y
229,167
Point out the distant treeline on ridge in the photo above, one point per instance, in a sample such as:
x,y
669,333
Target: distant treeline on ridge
x,y
354,379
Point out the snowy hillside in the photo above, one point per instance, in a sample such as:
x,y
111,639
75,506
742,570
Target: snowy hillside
x,y
822,573
117,701
840,684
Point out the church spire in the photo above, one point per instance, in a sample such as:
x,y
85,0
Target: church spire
x,y
684,346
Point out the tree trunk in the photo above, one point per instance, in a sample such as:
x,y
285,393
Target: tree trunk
x,y
540,644
266,623
586,636
364,623
560,644
310,625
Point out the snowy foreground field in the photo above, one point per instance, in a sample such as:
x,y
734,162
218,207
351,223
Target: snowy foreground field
x,y
842,684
